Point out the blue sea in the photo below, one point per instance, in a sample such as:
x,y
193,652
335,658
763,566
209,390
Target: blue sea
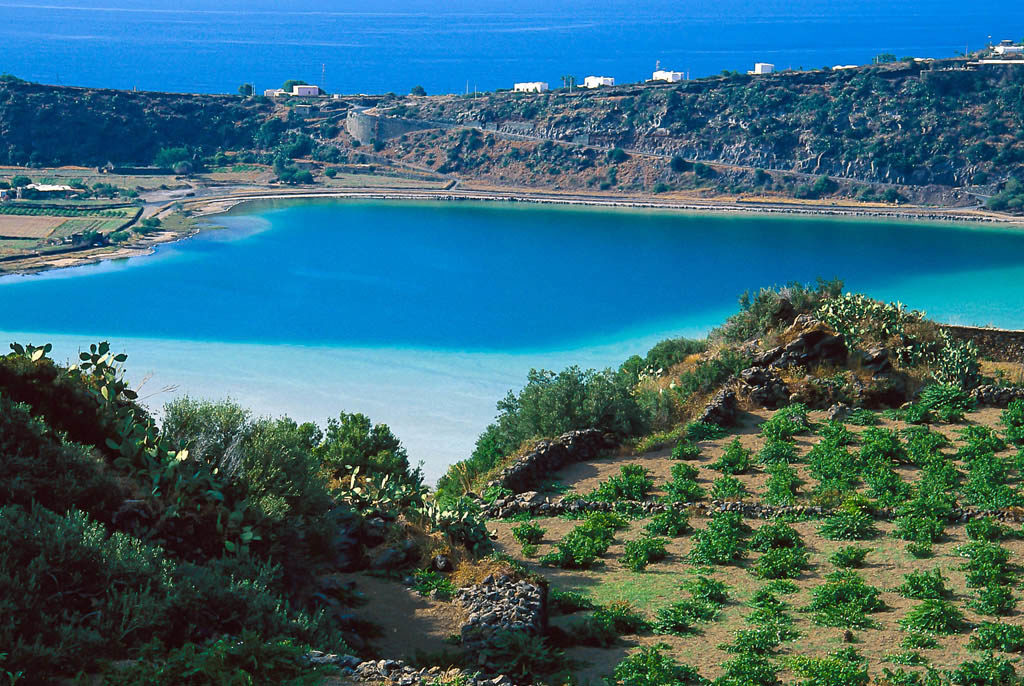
x,y
423,315
449,46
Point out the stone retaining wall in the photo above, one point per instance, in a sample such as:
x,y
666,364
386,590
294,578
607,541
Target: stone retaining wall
x,y
997,396
1003,345
547,457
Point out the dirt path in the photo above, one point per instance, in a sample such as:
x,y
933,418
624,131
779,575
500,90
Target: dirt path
x,y
410,623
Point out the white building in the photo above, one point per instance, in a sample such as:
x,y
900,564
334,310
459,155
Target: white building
x,y
762,68
1007,49
598,81
274,92
305,90
670,76
530,87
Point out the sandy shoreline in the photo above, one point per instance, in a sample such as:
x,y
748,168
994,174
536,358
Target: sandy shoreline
x,y
208,206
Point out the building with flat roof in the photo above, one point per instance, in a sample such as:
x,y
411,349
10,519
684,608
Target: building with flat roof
x,y
669,76
1008,48
305,90
762,68
598,81
274,92
530,87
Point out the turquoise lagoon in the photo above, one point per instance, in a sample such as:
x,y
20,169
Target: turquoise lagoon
x,y
423,315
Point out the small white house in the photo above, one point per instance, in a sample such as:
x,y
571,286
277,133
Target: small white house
x,y
530,87
598,81
274,92
669,76
1007,48
763,68
305,91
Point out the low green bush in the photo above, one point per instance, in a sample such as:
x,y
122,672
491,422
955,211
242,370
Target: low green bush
x,y
427,581
845,600
916,640
986,529
988,671
946,402
580,548
781,563
245,660
633,482
848,524
735,459
849,556
651,667
681,618
994,600
987,563
1012,420
749,669
671,523
728,488
786,423
683,488
685,450
775,451
775,535
924,585
707,590
702,431
721,542
919,529
528,533
642,551
623,617
862,417
837,434
934,617
568,602
844,668
522,655
782,485
1008,638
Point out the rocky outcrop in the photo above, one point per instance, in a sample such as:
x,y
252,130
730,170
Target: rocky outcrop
x,y
398,673
548,457
721,410
764,388
501,604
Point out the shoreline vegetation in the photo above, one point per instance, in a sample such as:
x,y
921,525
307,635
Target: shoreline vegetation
x,y
185,215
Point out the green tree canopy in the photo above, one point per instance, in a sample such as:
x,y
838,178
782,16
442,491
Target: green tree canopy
x,y
352,440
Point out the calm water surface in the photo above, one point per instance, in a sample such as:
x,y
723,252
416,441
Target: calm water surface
x,y
445,45
423,315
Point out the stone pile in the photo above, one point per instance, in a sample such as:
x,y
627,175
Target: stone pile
x,y
501,604
997,396
399,673
721,410
548,457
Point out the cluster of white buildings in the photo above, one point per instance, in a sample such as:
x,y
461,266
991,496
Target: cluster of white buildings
x,y
298,91
1008,48
663,75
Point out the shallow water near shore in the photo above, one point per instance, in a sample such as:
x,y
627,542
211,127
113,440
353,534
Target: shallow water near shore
x,y
423,315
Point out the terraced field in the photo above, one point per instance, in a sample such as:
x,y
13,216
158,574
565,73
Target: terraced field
x,y
882,568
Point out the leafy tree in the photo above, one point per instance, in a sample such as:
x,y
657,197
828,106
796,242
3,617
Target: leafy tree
x,y
245,89
352,440
20,181
291,83
418,90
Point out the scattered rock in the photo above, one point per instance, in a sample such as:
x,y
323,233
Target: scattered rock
x,y
838,412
